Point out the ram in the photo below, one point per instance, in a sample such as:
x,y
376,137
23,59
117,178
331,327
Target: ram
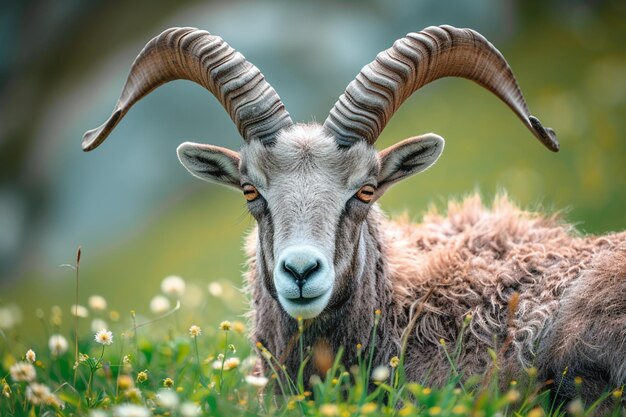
x,y
538,293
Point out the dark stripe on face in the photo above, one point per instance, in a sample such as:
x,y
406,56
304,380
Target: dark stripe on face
x,y
266,251
339,235
345,240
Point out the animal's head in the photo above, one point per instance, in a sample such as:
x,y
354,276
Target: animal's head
x,y
311,187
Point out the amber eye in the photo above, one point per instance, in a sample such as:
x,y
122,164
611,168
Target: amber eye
x,y
250,192
366,193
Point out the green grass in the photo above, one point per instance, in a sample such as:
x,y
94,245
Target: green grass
x,y
160,364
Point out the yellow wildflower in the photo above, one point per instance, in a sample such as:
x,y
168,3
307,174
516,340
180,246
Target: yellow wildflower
x,y
434,411
239,327
142,376
124,382
394,362
368,408
6,390
513,395
329,410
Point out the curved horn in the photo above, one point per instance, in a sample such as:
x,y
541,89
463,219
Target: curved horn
x,y
415,60
198,56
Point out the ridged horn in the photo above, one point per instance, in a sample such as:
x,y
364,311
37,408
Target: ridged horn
x,y
198,56
381,87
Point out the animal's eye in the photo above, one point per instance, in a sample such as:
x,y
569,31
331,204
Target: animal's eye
x,y
365,193
250,192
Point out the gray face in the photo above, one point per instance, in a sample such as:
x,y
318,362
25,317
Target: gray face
x,y
310,199
305,209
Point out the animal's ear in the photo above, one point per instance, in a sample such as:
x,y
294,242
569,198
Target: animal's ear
x,y
408,157
211,163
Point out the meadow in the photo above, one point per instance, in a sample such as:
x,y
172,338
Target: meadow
x,y
91,360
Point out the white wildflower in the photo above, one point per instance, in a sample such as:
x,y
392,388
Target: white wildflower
x,y
97,324
195,331
10,316
58,344
159,304
215,289
131,410
30,356
257,381
79,311
133,394
98,413
230,363
104,337
97,303
249,363
173,285
22,371
189,409
7,321
167,399
380,373
576,407
39,394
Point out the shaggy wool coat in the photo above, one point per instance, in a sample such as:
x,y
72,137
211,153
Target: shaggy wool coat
x,y
539,294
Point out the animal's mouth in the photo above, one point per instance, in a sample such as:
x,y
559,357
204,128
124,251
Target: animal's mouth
x,y
304,300
305,307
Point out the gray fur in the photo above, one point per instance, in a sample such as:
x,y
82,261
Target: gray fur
x,y
473,260
571,310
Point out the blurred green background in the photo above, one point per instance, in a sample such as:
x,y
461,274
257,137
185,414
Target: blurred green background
x,y
139,216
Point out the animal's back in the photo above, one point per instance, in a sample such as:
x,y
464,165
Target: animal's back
x,y
474,259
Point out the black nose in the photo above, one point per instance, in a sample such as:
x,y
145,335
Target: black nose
x,y
300,271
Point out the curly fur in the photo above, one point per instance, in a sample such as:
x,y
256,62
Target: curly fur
x,y
571,309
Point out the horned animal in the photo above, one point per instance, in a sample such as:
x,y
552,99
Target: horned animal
x,y
323,252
